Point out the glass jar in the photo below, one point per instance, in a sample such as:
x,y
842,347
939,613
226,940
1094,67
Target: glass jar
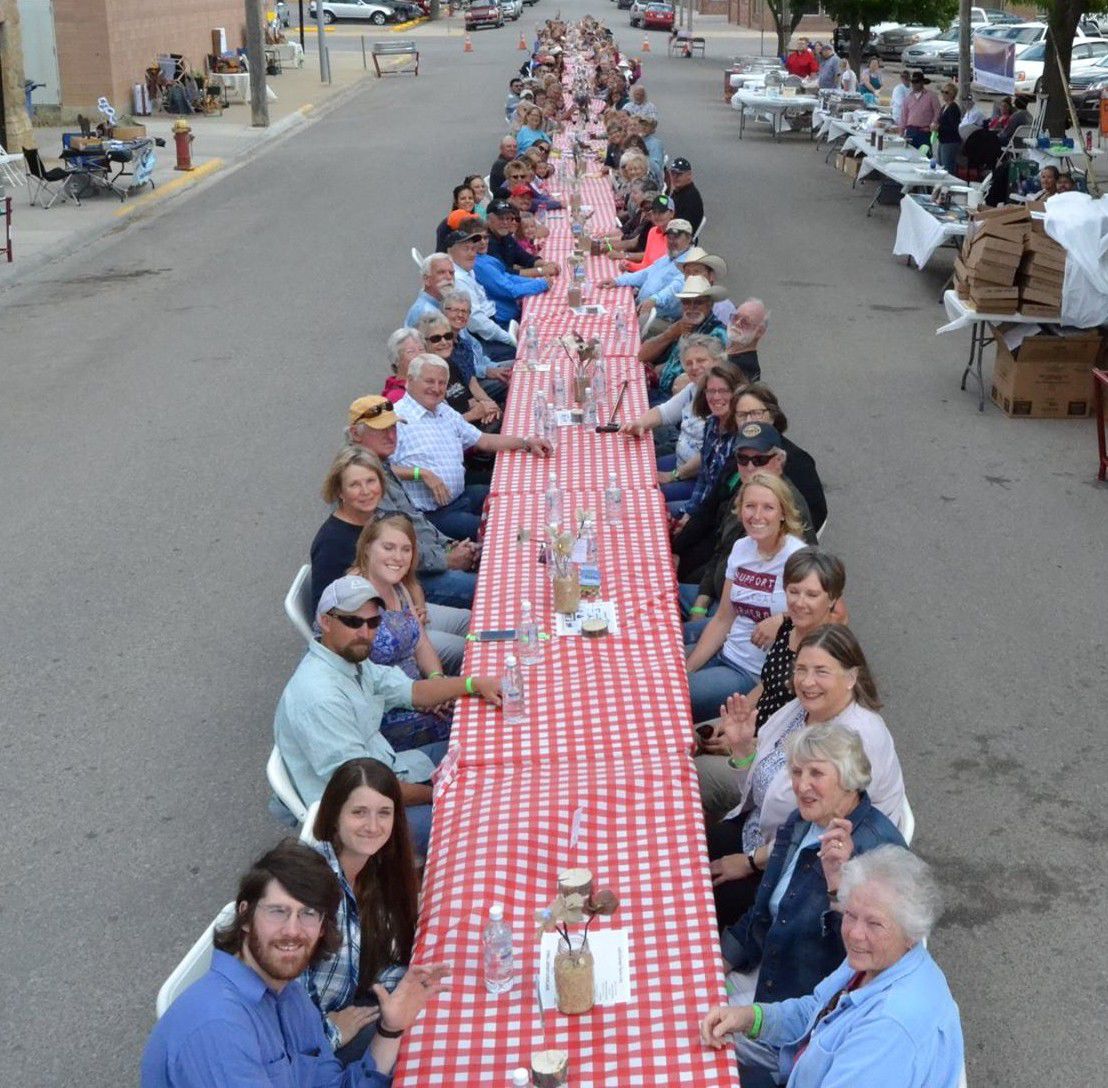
x,y
573,975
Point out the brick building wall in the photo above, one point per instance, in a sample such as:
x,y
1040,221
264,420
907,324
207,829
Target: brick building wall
x,y
105,46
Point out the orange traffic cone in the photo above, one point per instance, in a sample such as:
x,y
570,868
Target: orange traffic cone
x,y
467,45
523,43
645,43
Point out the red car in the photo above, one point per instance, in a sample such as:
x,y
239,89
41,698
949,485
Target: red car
x,y
658,17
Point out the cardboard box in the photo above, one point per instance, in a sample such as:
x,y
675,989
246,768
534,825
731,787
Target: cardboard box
x,y
1031,293
1010,234
1042,267
1035,309
129,132
997,251
1014,213
1050,377
1045,246
1002,275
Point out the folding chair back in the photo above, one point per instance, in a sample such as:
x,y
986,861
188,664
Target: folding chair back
x,y
45,181
195,964
298,602
908,822
277,775
696,233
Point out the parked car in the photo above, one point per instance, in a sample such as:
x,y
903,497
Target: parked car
x,y
512,9
891,43
378,14
1031,63
484,14
623,5
1087,87
658,17
1024,35
995,16
637,8
405,10
530,3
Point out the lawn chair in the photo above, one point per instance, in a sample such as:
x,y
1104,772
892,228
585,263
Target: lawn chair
x,y
280,782
298,602
195,964
54,182
8,159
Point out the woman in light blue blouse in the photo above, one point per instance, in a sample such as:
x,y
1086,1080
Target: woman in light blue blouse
x,y
362,832
531,131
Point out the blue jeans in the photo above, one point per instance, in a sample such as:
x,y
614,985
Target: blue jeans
x,y
686,598
713,682
948,156
678,490
453,588
461,518
419,816
495,388
498,351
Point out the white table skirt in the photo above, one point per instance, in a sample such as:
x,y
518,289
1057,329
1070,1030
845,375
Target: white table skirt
x,y
919,233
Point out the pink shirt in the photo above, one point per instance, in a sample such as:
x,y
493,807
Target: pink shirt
x,y
920,110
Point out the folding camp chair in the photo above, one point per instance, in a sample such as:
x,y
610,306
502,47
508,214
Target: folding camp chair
x,y
53,182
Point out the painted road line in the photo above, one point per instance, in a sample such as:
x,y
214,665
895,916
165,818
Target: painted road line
x,y
170,187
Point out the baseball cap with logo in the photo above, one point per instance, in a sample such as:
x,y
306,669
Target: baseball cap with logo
x,y
373,411
762,437
502,207
347,594
661,203
680,166
675,226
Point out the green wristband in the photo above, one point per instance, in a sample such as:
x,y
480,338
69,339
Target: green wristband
x,y
469,685
415,473
739,765
436,675
696,611
756,1027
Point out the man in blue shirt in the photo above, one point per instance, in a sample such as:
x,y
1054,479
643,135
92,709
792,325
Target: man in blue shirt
x,y
249,1021
657,284
437,271
503,288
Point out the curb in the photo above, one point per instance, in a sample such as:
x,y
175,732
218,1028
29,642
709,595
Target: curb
x,y
147,206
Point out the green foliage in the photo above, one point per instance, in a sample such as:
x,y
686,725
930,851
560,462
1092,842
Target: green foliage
x,y
868,13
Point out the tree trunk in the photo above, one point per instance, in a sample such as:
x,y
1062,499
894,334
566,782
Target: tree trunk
x,y
16,122
859,35
965,58
1062,18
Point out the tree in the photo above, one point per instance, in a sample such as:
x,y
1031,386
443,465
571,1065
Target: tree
x,y
786,18
1062,16
862,15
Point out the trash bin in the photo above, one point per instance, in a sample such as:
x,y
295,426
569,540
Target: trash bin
x,y
1103,115
29,88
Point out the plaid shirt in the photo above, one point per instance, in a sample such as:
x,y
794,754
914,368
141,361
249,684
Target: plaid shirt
x,y
333,983
715,451
435,440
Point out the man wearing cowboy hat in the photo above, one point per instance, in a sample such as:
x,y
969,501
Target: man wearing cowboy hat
x,y
699,262
919,115
657,284
663,352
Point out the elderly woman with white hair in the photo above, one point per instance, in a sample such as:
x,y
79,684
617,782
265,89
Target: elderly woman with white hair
x,y
790,938
402,347
885,1018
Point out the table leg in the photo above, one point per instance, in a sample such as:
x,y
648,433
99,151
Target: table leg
x,y
869,207
1100,379
742,120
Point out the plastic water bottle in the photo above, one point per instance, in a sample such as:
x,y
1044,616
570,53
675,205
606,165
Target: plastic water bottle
x,y
531,347
512,694
588,535
590,407
579,280
527,636
553,502
520,1078
538,410
497,953
561,391
621,329
613,502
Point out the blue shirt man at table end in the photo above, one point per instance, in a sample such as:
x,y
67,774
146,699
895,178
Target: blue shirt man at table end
x,y
249,1021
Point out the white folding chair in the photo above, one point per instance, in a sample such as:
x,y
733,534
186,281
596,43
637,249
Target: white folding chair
x,y
196,962
277,775
8,163
644,321
821,530
298,602
908,822
962,1078
309,822
513,330
418,258
696,233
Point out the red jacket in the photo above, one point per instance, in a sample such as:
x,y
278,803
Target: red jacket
x,y
655,248
801,63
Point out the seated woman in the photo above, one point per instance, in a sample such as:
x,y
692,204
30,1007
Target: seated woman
x,y
814,584
724,661
699,539
480,190
362,830
833,683
402,347
870,82
789,939
899,1028
531,129
464,200
677,470
463,391
469,354
387,555
355,483
633,166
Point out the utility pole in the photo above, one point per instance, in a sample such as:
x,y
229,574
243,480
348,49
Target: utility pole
x,y
965,42
324,60
300,5
255,56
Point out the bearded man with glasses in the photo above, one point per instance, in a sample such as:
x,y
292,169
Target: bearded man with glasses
x,y
331,708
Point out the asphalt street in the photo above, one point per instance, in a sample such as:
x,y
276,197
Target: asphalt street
x,y
173,394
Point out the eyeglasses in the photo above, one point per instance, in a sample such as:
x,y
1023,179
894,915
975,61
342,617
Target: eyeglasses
x,y
308,917
438,337
477,240
374,412
758,460
754,413
356,623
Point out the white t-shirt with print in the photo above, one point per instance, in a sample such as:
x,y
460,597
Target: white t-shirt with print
x,y
757,592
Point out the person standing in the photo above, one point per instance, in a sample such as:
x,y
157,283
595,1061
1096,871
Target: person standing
x,y
829,68
919,115
950,119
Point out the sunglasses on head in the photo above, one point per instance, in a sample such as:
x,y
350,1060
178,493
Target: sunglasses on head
x,y
758,460
356,623
438,337
374,412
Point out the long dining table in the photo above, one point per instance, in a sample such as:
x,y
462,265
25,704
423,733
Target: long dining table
x,y
600,774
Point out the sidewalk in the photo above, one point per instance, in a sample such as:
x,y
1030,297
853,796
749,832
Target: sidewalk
x,y
219,141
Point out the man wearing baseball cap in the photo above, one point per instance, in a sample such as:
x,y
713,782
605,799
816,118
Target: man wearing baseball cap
x,y
502,287
462,247
331,708
830,68
687,202
660,212
503,219
657,284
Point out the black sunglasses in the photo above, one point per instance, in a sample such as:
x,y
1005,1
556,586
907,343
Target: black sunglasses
x,y
374,412
758,460
356,623
439,337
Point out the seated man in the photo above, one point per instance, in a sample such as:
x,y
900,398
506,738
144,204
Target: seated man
x,y
801,61
331,708
503,223
502,287
437,272
656,286
647,127
515,90
508,152
748,324
663,352
659,213
639,106
687,201
463,246
446,566
429,456
249,1020
698,262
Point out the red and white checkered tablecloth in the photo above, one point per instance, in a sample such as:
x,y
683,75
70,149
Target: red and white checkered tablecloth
x,y
502,835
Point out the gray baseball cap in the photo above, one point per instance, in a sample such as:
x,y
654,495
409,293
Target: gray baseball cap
x,y
348,594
